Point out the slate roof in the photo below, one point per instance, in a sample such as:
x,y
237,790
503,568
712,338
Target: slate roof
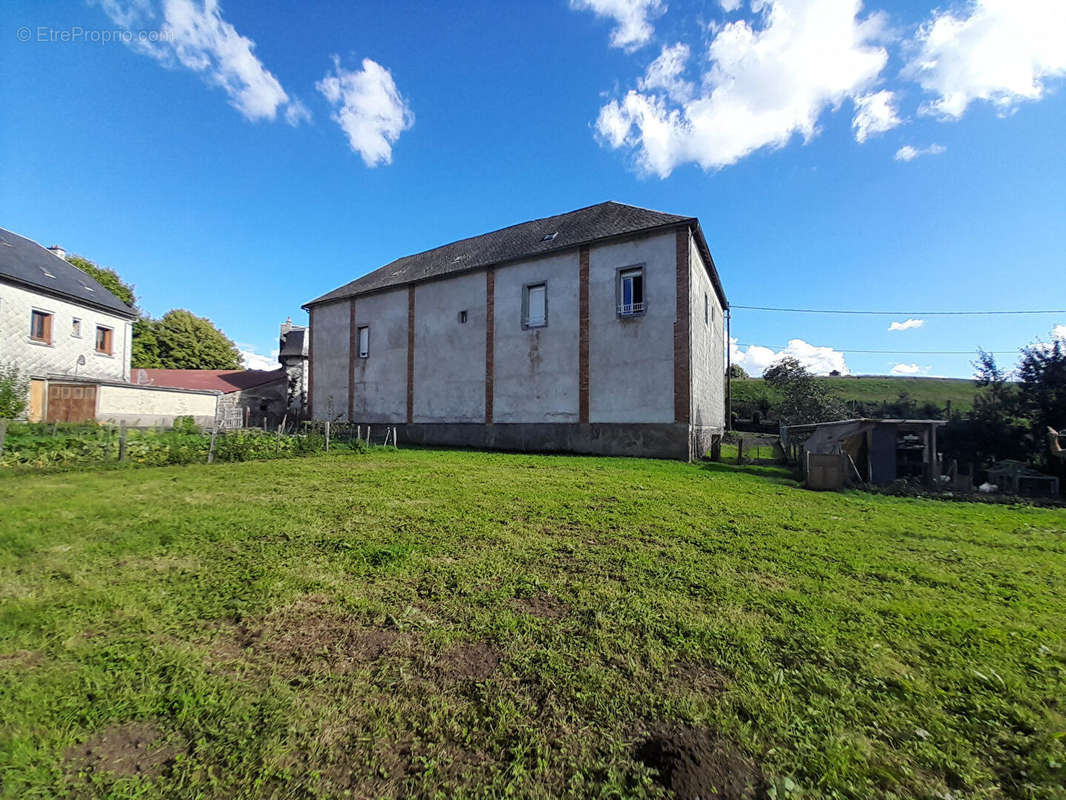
x,y
292,343
25,262
525,240
219,380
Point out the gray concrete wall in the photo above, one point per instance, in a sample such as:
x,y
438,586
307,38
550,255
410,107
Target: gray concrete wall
x,y
536,370
631,360
707,348
381,378
449,368
330,355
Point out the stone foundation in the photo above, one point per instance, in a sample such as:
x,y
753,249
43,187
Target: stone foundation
x,y
639,440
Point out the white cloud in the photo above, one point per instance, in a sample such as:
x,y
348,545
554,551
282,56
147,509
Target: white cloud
x,y
729,6
632,17
819,360
906,325
250,359
1002,53
908,369
760,87
195,36
909,153
369,108
874,113
665,73
1058,332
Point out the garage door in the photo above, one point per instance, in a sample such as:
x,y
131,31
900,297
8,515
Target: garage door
x,y
71,402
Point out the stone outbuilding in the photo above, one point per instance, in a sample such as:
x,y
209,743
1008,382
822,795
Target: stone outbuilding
x,y
247,397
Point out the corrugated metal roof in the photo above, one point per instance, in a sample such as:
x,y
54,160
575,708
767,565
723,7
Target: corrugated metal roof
x,y
219,380
25,262
534,238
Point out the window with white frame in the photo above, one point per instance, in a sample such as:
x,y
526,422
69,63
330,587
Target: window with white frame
x,y
364,341
631,291
75,327
535,305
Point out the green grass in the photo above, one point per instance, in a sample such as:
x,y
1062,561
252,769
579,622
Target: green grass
x,y
877,389
421,623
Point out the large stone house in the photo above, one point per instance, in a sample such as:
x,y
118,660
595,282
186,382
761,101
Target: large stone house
x,y
58,322
596,331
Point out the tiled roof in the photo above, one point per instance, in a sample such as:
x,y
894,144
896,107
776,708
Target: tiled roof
x,y
25,262
219,380
528,239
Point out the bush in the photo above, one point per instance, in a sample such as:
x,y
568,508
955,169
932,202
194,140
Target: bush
x,y
47,444
186,425
13,391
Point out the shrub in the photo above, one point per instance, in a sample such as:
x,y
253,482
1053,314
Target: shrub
x,y
13,390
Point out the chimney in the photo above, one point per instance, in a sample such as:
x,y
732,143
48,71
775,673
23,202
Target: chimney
x,y
286,326
56,250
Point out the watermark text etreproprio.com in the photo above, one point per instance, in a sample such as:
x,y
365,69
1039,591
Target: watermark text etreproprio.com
x,y
76,34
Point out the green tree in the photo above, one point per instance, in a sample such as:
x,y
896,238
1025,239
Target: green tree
x,y
1042,391
107,278
13,391
182,340
737,372
803,398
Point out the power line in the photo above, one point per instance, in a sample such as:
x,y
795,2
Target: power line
x,y
890,352
896,313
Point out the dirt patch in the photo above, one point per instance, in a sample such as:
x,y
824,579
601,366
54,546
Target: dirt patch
x,y
20,659
310,634
130,749
541,605
697,765
390,765
471,661
700,677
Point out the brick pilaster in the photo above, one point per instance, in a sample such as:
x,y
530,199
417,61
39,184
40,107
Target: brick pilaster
x,y
490,341
410,353
583,336
682,364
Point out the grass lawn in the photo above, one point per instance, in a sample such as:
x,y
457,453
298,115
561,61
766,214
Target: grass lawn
x,y
421,623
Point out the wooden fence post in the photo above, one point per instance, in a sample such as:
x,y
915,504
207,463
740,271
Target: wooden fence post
x,y
3,434
740,450
211,446
327,435
122,442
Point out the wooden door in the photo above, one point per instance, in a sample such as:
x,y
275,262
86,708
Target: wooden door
x,y
71,402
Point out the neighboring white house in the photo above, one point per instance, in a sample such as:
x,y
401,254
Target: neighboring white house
x,y
57,321
598,331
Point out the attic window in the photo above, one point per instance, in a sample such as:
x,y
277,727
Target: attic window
x,y
87,287
549,236
47,274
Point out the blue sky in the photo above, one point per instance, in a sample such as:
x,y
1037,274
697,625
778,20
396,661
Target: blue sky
x,y
261,154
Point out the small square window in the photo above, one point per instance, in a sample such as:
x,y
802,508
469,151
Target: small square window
x,y
75,328
631,292
364,342
104,340
535,306
462,317
41,326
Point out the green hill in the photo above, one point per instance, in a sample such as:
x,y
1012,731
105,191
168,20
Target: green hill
x,y
869,389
